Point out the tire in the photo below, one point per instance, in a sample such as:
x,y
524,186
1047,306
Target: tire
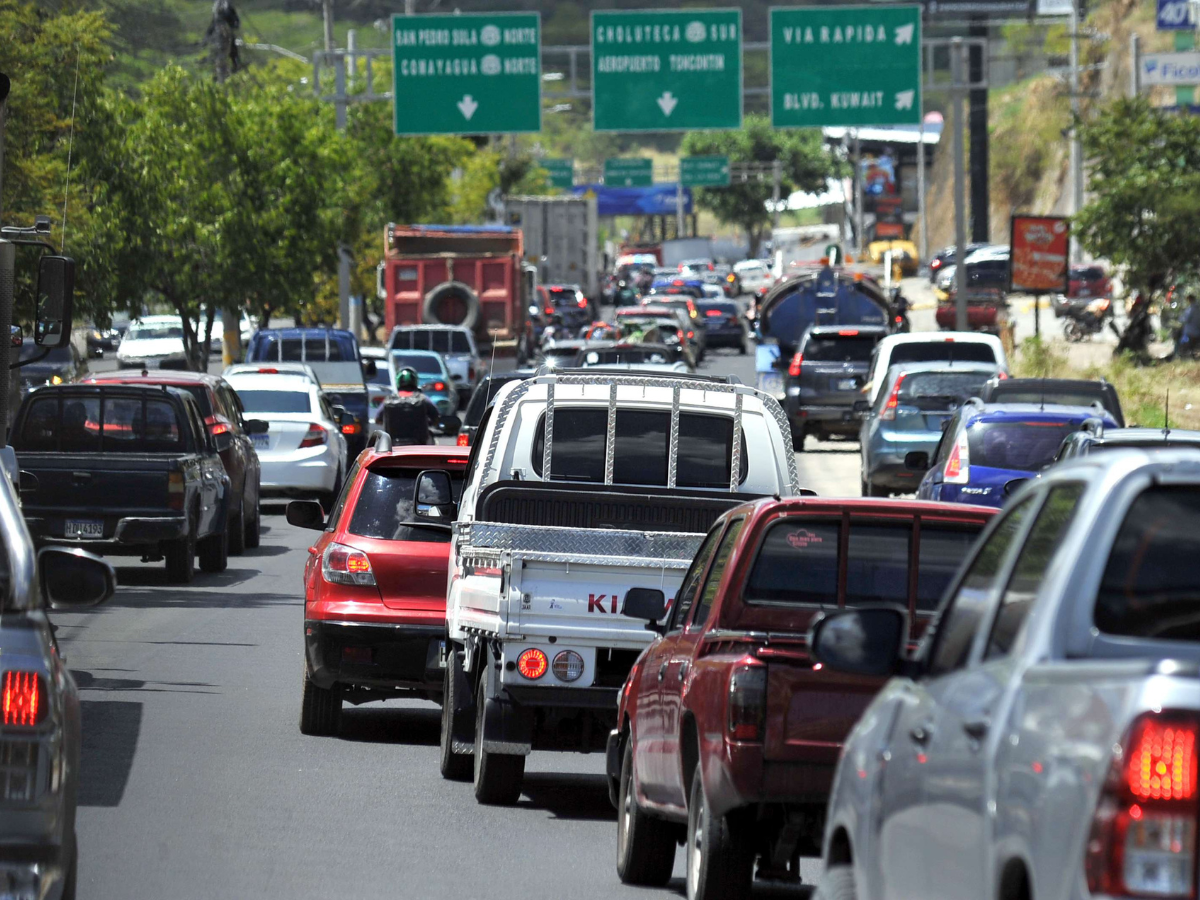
x,y
254,529
720,861
498,776
72,879
837,883
454,766
237,531
645,845
181,559
446,291
214,552
320,708
799,433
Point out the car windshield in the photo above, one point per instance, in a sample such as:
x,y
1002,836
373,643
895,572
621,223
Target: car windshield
x,y
154,332
942,351
482,398
437,340
385,505
260,401
29,350
616,356
839,348
1151,585
1022,446
956,386
713,310
424,365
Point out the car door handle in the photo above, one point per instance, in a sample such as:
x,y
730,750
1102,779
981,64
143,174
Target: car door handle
x,y
683,669
920,734
662,670
976,729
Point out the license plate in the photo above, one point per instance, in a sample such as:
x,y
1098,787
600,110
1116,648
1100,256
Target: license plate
x,y
260,441
84,528
770,383
847,384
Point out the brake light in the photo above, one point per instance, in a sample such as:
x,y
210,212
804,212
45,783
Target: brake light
x,y
1143,836
219,428
315,436
889,409
175,490
747,702
532,664
22,698
438,386
958,466
691,334
712,313
463,440
794,368
848,332
352,428
549,310
677,283
935,264
581,302
268,371
345,565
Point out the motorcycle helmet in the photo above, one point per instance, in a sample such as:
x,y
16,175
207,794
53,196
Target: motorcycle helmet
x,y
406,379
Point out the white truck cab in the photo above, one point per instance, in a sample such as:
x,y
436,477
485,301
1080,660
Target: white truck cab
x,y
582,486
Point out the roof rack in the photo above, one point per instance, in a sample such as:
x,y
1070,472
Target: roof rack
x,y
601,370
1093,426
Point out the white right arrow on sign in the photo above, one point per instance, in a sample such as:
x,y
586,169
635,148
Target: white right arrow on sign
x,y
904,99
904,34
467,106
667,103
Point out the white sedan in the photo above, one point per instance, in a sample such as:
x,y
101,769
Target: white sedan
x,y
153,342
303,452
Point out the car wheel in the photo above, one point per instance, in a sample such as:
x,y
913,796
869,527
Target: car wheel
x,y
720,861
320,708
498,776
237,531
254,529
214,552
645,845
799,433
837,883
181,559
454,766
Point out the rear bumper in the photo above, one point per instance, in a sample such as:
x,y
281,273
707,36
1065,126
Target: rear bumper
x,y
725,337
838,418
127,532
298,473
380,656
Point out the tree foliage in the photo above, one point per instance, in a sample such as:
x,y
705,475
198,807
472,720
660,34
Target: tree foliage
x,y
807,164
1143,214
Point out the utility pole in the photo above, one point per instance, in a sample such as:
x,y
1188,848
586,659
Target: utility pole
x,y
1135,62
858,197
960,201
1076,151
923,248
977,124
776,191
327,12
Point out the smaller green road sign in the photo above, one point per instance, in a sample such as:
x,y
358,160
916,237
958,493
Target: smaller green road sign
x,y
475,73
630,172
845,65
561,172
666,69
704,171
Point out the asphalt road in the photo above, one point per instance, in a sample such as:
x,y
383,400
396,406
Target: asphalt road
x,y
197,783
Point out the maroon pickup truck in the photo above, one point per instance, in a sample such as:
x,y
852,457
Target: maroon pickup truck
x,y
987,310
728,732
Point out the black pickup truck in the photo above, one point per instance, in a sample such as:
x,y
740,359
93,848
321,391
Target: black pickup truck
x,y
125,470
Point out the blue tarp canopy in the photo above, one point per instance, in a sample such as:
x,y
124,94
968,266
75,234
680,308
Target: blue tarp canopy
x,y
656,200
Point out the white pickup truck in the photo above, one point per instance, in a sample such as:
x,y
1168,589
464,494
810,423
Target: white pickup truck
x,y
580,487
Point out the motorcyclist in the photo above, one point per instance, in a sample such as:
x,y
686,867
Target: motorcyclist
x,y
900,311
409,415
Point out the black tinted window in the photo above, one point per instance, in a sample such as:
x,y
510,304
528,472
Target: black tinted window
x,y
941,351
80,425
275,401
1030,395
839,349
424,365
879,569
711,584
385,504
797,564
961,619
39,432
483,395
1151,585
203,398
691,581
1024,446
431,339
943,548
940,387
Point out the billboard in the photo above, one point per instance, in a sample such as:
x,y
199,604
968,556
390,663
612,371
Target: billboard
x,y
1039,253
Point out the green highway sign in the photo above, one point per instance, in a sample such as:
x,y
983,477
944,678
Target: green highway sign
x,y
561,172
474,73
666,70
704,171
845,65
629,172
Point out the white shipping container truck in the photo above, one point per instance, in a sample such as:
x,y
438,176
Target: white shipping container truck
x,y
561,238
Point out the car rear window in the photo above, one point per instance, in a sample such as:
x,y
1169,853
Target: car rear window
x,y
308,348
258,401
839,348
385,505
125,425
1151,585
640,456
797,564
424,365
1061,398
624,355
941,386
438,341
942,351
1021,446
725,309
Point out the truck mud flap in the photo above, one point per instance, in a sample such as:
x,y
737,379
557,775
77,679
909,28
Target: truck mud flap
x,y
462,723
507,727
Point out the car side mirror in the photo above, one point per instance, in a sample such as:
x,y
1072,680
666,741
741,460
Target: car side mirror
x,y
73,579
306,514
257,426
649,604
222,441
450,425
370,369
869,640
916,460
339,414
55,301
433,496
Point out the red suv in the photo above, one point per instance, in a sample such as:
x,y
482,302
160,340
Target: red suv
x,y
223,413
375,585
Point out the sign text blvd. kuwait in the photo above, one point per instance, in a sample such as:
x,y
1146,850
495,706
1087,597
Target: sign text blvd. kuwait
x,y
845,65
474,73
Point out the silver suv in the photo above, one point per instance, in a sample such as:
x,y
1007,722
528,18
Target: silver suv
x,y
456,345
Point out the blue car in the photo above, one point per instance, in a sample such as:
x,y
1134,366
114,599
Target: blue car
x,y
987,451
432,376
909,413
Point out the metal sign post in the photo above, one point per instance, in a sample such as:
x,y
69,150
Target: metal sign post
x,y
958,93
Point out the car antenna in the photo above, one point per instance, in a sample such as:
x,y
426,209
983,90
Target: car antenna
x,y
1043,408
1167,415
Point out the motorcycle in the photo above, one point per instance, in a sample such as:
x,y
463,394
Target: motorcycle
x,y
899,312
1081,324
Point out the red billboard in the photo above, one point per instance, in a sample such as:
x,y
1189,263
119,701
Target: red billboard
x,y
1039,254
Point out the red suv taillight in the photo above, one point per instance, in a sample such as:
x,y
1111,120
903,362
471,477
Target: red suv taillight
x,y
463,440
794,368
1143,841
345,565
23,699
315,436
747,702
893,401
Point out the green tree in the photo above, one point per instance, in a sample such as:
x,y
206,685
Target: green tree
x,y
806,162
1143,215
